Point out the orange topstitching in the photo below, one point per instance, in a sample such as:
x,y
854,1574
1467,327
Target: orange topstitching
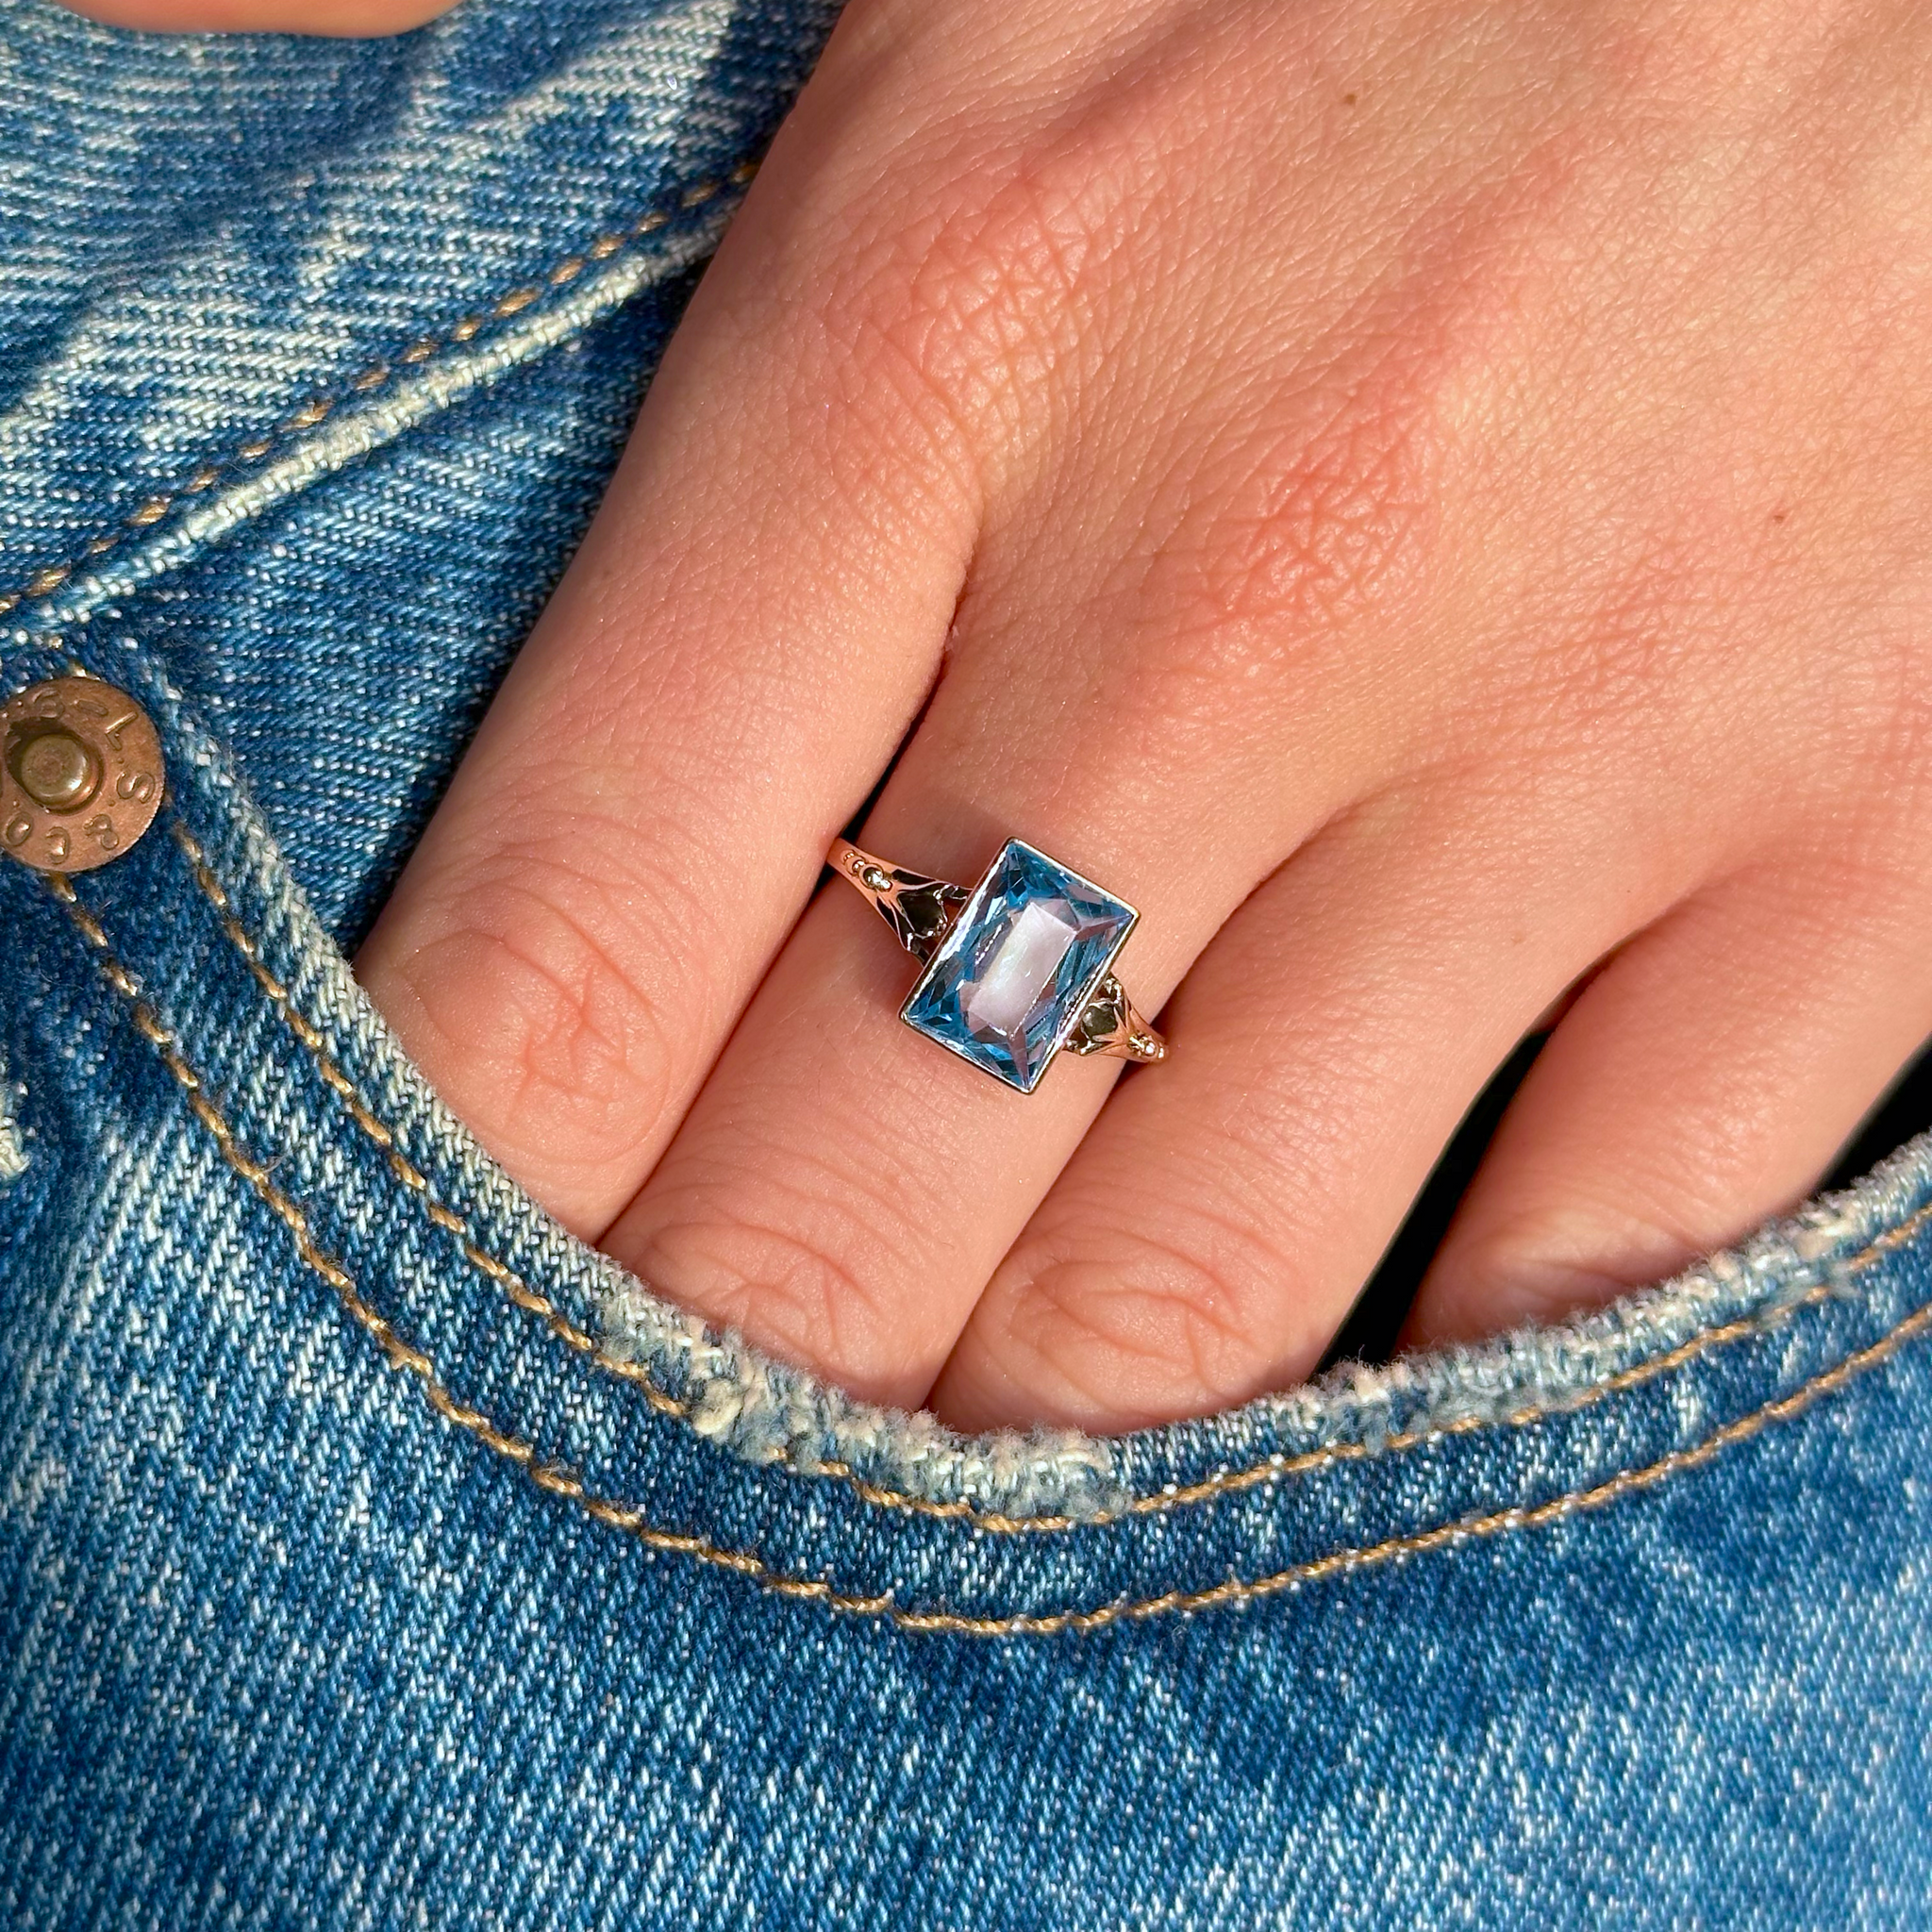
x,y
48,579
1274,1468
403,1357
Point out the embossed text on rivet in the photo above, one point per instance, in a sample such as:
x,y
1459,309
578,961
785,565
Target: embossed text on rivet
x,y
80,773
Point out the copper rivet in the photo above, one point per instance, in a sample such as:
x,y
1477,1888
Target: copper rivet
x,y
80,773
56,770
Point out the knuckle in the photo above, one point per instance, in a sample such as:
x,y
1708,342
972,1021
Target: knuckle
x,y
1628,656
980,293
1152,1329
1292,531
1887,732
803,1292
546,1039
1325,519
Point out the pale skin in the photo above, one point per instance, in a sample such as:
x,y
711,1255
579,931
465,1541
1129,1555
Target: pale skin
x,y
1430,502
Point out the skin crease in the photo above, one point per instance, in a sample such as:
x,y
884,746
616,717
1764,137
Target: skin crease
x,y
1431,501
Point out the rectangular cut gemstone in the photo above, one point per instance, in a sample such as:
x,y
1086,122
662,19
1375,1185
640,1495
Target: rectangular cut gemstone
x,y
1018,965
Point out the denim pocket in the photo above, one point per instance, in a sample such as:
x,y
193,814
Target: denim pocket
x,y
312,1414
626,1412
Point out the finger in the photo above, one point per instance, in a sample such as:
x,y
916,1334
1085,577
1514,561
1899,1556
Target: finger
x,y
843,1187
750,627
1206,1241
352,19
1704,1081
1116,695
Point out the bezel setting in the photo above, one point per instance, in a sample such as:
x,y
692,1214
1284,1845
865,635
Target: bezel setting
x,y
1027,910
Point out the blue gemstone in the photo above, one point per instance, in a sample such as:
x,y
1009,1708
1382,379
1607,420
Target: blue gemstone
x,y
1018,965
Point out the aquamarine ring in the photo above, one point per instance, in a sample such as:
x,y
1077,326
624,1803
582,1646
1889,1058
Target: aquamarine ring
x,y
1017,969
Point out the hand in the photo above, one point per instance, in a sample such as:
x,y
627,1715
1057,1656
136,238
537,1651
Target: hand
x,y
1431,502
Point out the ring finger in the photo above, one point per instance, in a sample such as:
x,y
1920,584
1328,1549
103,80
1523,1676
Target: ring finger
x,y
843,1189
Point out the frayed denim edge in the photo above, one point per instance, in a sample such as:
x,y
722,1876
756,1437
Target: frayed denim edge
x,y
769,1412
1537,1368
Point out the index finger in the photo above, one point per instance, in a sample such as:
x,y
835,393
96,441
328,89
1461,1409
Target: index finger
x,y
748,631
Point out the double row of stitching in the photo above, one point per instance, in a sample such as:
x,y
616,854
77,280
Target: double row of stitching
x,y
1272,1468
374,376
413,1178
556,1480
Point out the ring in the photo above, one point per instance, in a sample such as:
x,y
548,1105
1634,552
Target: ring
x,y
1017,969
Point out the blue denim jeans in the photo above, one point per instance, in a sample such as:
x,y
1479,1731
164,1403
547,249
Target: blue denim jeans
x,y
373,1554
